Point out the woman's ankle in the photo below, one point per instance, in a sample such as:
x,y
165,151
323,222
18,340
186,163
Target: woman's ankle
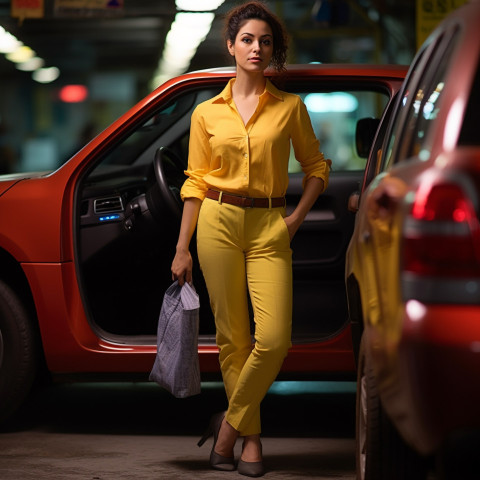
x,y
252,449
227,437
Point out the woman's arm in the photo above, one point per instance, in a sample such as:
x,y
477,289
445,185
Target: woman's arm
x,y
313,188
182,263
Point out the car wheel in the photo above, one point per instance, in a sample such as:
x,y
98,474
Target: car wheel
x,y
18,352
380,451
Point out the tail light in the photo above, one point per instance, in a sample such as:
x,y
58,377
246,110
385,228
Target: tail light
x,y
441,244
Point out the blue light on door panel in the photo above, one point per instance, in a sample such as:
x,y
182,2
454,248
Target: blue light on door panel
x,y
107,218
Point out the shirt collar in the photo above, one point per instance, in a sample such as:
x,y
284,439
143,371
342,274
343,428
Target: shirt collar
x,y
226,94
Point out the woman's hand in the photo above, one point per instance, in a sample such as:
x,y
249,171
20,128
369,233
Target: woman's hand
x,y
313,187
182,266
293,225
182,263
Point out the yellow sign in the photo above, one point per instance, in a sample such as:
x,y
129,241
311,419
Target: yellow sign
x,y
26,8
430,13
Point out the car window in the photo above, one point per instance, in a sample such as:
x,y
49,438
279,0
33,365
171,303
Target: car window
x,y
425,108
133,146
418,105
334,117
469,132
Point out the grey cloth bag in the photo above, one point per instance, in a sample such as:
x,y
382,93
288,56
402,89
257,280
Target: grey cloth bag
x,y
176,366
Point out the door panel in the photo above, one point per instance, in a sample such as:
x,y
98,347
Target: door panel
x,y
319,247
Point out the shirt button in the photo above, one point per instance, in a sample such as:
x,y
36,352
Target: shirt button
x,y
245,155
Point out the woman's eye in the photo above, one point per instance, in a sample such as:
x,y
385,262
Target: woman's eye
x,y
266,42
246,40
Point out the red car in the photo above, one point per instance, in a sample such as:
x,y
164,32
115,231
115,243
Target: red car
x,y
413,268
85,251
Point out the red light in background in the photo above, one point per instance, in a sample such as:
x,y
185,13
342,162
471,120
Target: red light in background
x,y
73,93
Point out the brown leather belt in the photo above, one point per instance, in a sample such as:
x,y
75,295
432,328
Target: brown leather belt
x,y
246,202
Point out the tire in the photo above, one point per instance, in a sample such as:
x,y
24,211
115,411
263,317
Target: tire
x,y
18,352
381,454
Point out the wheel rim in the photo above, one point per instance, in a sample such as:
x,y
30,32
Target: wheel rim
x,y
362,427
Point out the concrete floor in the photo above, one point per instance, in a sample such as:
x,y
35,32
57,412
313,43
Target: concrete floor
x,y
138,431
72,456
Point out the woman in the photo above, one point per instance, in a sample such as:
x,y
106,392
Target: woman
x,y
235,196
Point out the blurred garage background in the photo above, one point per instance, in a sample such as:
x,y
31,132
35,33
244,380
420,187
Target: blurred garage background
x,y
68,68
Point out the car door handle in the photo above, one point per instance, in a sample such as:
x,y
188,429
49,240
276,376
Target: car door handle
x,y
353,202
366,236
387,196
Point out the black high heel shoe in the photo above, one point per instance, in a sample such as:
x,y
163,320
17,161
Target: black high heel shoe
x,y
251,469
217,461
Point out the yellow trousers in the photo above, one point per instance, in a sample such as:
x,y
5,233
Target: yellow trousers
x,y
246,251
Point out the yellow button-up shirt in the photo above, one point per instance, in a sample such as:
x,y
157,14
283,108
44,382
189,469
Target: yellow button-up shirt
x,y
250,159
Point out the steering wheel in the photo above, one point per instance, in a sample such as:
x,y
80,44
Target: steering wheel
x,y
169,173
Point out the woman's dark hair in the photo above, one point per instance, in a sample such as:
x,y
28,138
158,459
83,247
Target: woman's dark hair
x,y
258,11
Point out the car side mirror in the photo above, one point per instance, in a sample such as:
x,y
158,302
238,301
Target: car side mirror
x,y
365,134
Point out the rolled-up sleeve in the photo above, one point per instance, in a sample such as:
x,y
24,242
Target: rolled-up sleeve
x,y
307,147
198,159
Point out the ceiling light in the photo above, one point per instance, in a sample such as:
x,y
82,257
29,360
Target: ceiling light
x,y
25,59
8,43
46,75
198,5
331,102
31,65
20,54
189,29
186,33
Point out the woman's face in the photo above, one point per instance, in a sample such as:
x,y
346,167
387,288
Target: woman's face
x,y
253,47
